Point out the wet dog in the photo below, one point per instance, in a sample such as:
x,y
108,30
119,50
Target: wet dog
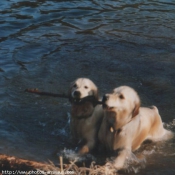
x,y
85,114
126,125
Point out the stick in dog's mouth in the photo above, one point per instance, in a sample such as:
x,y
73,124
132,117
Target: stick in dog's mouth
x,y
79,101
36,91
63,95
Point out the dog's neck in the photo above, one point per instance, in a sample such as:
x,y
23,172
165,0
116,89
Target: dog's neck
x,y
117,131
83,108
82,111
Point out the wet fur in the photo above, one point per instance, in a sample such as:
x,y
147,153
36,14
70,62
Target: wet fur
x,y
132,124
85,118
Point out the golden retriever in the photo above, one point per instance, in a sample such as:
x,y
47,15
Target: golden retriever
x,y
85,114
126,125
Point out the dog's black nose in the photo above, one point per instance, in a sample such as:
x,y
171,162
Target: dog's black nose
x,y
77,94
105,98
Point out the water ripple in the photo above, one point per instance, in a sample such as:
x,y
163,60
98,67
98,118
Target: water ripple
x,y
48,43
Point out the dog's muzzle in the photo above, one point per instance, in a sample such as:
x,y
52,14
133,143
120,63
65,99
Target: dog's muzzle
x,y
75,97
77,94
104,103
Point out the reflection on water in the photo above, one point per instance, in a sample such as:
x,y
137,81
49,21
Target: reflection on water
x,y
47,44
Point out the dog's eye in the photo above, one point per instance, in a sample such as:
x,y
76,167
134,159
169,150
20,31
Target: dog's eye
x,y
85,87
121,96
74,85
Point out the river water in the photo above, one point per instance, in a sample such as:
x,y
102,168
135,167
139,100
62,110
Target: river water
x,y
46,44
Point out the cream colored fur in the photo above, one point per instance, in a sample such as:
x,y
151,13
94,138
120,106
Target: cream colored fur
x,y
85,117
126,125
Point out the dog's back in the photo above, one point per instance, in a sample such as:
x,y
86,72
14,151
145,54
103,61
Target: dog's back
x,y
150,118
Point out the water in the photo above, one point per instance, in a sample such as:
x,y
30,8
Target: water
x,y
47,44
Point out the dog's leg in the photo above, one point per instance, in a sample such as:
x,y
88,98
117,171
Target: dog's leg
x,y
119,161
87,147
84,150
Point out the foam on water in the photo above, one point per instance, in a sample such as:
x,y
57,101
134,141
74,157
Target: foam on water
x,y
135,162
72,155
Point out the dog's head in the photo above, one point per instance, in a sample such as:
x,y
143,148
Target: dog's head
x,y
83,87
121,106
79,89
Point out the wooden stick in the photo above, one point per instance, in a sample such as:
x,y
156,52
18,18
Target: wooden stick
x,y
36,91
63,95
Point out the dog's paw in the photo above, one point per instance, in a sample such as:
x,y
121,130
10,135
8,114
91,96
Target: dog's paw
x,y
84,150
109,165
110,168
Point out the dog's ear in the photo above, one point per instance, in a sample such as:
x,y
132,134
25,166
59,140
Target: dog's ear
x,y
137,107
95,93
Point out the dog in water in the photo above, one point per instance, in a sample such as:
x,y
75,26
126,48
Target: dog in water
x,y
86,114
126,125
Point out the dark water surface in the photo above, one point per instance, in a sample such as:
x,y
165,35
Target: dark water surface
x,y
47,44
